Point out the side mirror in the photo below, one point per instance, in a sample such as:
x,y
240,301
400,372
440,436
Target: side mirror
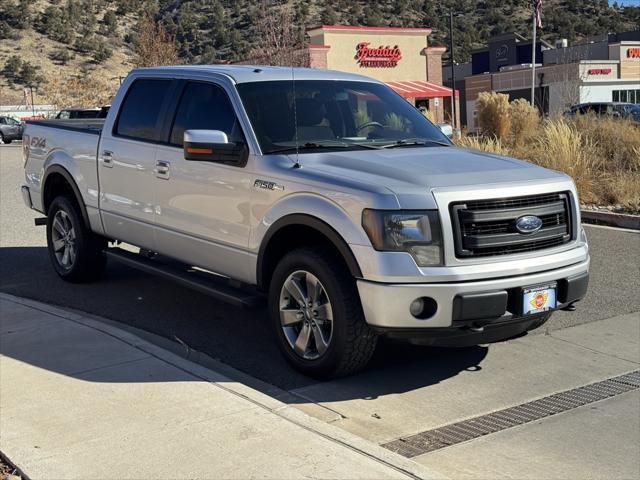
x,y
213,146
446,129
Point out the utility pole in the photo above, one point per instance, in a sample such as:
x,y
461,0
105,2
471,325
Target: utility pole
x,y
33,107
533,56
453,74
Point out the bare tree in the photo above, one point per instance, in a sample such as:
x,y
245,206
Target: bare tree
x,y
154,45
567,75
278,40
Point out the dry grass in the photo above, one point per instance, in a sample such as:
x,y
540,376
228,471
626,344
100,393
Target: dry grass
x,y
484,144
601,155
493,114
524,121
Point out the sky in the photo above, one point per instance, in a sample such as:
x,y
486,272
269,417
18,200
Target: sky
x,y
626,2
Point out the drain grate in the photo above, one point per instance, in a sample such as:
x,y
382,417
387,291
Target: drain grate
x,y
459,432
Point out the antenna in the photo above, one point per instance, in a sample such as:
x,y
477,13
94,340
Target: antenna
x,y
296,163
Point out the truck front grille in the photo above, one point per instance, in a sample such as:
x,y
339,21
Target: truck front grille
x,y
488,227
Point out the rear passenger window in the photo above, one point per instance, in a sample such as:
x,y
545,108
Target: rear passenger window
x,y
204,106
140,110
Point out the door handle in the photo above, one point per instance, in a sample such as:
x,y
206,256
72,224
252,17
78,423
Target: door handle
x,y
107,159
162,169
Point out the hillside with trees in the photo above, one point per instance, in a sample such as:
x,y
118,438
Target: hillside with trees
x,y
57,45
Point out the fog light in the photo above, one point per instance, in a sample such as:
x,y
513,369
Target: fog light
x,y
423,308
416,307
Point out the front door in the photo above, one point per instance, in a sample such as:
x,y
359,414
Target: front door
x,y
127,163
203,212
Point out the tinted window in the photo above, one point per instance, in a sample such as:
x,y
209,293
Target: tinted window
x,y
204,106
85,114
345,114
2,120
141,108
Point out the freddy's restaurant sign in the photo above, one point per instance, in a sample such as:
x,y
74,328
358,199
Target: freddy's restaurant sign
x,y
385,57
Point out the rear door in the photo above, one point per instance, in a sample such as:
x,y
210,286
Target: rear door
x,y
203,214
127,162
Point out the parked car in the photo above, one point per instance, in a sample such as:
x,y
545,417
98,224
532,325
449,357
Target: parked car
x,y
328,197
629,111
10,130
104,110
74,113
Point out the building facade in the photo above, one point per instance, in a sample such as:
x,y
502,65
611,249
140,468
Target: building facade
x,y
400,57
600,69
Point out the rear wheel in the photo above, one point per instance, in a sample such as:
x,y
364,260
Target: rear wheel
x,y
75,252
316,313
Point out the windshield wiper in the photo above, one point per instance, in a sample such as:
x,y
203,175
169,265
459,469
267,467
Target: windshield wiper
x,y
409,142
319,146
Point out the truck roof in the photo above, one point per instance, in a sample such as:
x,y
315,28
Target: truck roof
x,y
258,73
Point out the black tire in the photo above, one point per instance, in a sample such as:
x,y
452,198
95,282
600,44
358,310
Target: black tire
x,y
89,260
352,341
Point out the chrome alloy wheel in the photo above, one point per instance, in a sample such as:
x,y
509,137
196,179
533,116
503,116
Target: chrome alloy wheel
x,y
64,240
306,316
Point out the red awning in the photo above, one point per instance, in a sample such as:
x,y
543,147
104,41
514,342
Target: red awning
x,y
418,89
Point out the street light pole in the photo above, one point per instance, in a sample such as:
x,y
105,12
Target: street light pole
x,y
453,73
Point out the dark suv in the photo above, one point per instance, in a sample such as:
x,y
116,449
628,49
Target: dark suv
x,y
10,130
629,111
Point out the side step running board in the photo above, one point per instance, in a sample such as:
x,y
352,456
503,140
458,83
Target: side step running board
x,y
219,288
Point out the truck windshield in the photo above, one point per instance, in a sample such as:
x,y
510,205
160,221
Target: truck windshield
x,y
334,115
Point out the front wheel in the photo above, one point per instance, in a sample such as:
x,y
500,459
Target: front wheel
x,y
75,252
316,313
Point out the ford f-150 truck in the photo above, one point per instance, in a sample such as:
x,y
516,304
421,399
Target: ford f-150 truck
x,y
323,194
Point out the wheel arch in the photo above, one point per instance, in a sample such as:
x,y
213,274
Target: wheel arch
x,y
273,248
57,181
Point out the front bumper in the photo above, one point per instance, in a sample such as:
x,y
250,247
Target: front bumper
x,y
464,304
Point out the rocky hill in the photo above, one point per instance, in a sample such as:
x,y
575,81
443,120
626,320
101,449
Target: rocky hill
x,y
48,43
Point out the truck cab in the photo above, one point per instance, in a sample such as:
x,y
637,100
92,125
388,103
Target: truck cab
x,y
324,195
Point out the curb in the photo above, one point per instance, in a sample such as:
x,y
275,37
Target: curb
x,y
262,394
620,220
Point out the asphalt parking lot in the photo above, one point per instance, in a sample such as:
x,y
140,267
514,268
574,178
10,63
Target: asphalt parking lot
x,y
406,389
241,338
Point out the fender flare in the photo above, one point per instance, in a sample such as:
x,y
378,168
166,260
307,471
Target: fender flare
x,y
317,224
76,191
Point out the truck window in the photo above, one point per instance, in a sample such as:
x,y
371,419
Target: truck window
x,y
140,110
204,106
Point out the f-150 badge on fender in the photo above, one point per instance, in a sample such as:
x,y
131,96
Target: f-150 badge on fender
x,y
267,185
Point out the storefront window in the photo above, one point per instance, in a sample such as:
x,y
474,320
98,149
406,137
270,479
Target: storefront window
x,y
630,96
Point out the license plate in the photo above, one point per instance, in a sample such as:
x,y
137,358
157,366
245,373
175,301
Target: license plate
x,y
538,299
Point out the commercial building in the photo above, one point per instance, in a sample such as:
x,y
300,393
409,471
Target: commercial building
x,y
598,69
400,57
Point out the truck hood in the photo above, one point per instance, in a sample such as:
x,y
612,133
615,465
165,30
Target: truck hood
x,y
409,171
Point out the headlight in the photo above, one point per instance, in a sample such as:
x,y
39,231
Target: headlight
x,y
416,232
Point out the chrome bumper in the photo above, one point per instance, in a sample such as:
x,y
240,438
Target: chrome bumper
x,y
387,305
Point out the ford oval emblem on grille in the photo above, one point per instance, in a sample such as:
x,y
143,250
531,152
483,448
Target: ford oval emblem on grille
x,y
528,224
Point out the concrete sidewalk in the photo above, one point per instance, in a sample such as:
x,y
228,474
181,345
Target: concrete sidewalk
x,y
80,398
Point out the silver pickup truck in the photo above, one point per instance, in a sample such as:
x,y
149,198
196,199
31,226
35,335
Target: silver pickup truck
x,y
324,195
